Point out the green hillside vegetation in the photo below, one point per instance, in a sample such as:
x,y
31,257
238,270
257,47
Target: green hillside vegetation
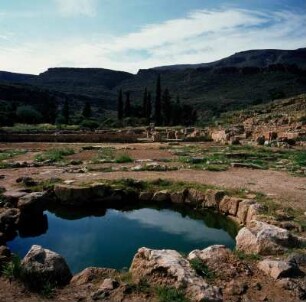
x,y
210,89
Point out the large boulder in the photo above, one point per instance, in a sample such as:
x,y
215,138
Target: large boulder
x,y
33,202
169,268
42,265
213,198
264,239
9,219
161,196
212,254
243,208
92,274
73,195
229,205
195,197
279,269
178,197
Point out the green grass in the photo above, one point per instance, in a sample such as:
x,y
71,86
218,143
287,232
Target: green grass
x,y
202,269
12,270
170,294
7,154
123,158
54,155
249,257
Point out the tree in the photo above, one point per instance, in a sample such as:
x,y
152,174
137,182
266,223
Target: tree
x,y
28,115
177,112
166,107
149,107
145,102
127,108
87,110
120,106
158,101
66,111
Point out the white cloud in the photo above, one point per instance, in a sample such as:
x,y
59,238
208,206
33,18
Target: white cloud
x,y
76,7
202,36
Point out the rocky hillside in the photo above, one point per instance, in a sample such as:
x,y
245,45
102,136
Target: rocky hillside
x,y
245,78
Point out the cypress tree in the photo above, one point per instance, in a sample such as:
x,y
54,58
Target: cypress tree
x,y
166,107
145,103
177,112
158,102
149,107
120,106
127,109
87,110
66,111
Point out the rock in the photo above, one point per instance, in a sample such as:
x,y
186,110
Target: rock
x,y
214,253
279,269
5,251
169,268
76,162
246,165
13,196
285,283
137,168
194,197
298,258
100,190
243,209
5,254
44,265
90,274
161,196
73,195
236,288
178,197
33,202
213,198
254,210
229,205
264,239
9,219
145,196
27,181
108,284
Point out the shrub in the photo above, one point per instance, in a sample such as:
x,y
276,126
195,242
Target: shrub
x,y
123,158
90,124
28,115
12,269
170,294
201,268
54,155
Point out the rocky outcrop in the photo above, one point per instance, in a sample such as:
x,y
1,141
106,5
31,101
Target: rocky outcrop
x,y
161,196
42,265
9,219
279,269
195,197
33,202
178,197
213,254
213,198
264,239
91,274
169,268
73,195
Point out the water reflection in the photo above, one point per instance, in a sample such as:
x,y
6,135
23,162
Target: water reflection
x,y
112,239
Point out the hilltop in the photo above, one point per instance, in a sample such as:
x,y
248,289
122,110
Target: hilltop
x,y
235,82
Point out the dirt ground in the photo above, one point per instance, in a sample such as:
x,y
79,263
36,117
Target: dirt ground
x,y
281,186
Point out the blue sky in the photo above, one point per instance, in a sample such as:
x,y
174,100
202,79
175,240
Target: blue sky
x,y
133,34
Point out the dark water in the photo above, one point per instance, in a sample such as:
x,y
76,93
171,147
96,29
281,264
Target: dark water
x,y
111,240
